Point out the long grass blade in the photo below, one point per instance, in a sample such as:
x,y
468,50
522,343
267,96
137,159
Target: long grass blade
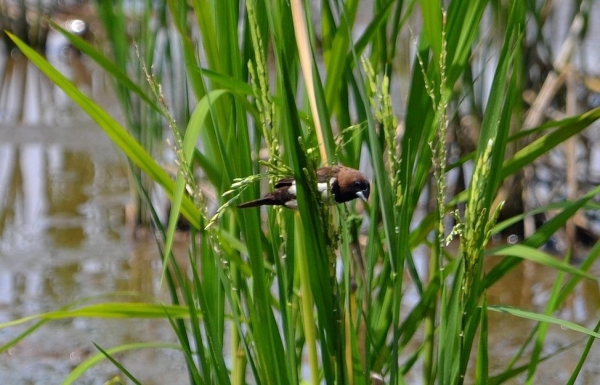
x,y
113,129
96,359
117,364
544,318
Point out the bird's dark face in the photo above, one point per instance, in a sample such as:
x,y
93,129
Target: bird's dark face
x,y
351,184
361,188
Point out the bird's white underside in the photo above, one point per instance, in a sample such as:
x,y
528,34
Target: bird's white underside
x,y
323,188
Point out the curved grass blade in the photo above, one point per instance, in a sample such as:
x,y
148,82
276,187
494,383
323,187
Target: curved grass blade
x,y
109,310
96,359
583,357
22,335
567,128
541,236
544,318
372,28
534,255
113,129
192,133
514,372
117,364
106,64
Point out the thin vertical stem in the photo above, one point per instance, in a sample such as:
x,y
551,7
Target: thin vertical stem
x,y
306,298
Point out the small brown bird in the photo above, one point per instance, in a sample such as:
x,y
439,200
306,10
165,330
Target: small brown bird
x,y
337,184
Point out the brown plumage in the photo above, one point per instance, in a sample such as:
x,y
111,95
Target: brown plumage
x,y
337,184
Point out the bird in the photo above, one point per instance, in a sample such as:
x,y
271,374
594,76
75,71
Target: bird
x,y
337,184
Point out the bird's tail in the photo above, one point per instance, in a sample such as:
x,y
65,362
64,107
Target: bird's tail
x,y
266,201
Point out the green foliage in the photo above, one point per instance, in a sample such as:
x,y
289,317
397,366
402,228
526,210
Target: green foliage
x,y
262,290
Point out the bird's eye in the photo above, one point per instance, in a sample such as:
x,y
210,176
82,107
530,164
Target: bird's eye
x,y
357,184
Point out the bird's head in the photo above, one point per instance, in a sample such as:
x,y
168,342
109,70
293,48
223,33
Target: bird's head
x,y
362,188
352,184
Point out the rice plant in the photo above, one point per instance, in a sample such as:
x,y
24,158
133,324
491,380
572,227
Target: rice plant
x,y
320,294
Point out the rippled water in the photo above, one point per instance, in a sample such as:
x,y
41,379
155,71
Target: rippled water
x,y
63,191
63,238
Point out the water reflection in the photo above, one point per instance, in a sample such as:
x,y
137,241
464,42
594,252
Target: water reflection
x,y
44,191
62,238
54,200
63,190
529,286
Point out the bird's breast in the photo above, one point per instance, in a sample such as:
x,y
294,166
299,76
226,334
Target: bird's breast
x,y
324,188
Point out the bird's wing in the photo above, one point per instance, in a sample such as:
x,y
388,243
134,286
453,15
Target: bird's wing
x,y
324,174
284,182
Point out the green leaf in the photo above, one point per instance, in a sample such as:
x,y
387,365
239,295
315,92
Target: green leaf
x,y
104,62
113,129
109,310
190,140
566,129
544,318
117,364
98,358
432,24
534,255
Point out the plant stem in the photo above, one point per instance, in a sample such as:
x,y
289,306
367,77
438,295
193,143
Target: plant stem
x,y
307,300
